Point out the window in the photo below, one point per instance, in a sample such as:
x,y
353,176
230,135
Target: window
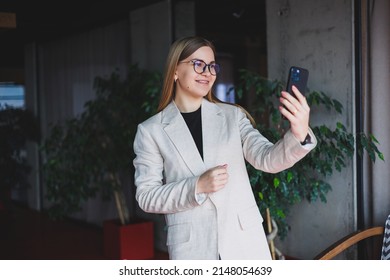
x,y
11,95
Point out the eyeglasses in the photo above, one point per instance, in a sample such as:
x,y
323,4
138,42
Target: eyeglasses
x,y
200,66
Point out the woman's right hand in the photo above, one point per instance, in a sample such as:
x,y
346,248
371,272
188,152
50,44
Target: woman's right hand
x,y
213,179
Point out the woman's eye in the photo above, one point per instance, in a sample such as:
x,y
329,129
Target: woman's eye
x,y
198,63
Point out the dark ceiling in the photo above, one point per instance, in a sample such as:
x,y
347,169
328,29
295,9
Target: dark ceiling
x,y
64,16
38,21
230,19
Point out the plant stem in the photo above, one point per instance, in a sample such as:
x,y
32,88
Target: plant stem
x,y
120,201
269,231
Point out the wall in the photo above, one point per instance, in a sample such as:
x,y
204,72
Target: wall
x,y
155,27
150,35
317,35
377,103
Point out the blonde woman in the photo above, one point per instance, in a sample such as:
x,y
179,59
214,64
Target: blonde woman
x,y
191,160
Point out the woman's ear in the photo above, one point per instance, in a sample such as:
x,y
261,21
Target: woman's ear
x,y
176,78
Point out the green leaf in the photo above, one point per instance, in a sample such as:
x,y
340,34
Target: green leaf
x,y
289,176
276,182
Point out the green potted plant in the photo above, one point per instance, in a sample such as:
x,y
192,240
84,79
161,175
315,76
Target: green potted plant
x,y
17,127
91,153
276,193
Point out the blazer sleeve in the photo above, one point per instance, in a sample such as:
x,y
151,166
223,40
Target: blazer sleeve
x,y
266,156
152,194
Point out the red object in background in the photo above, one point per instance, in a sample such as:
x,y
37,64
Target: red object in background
x,y
128,242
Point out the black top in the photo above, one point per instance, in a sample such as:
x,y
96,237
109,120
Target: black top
x,y
194,123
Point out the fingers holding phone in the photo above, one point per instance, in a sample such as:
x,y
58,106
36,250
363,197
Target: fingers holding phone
x,y
294,105
296,86
290,103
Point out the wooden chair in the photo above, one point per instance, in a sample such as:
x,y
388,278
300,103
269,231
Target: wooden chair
x,y
349,240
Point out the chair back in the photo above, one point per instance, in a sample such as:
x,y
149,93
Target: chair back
x,y
349,240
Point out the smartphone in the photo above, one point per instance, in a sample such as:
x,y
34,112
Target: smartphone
x,y
298,77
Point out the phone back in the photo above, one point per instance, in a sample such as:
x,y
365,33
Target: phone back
x,y
298,77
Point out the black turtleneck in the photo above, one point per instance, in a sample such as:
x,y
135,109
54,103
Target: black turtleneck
x,y
194,123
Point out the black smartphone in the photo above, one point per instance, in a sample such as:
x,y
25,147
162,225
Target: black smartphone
x,y
298,77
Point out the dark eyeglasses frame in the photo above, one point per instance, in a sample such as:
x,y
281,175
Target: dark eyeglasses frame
x,y
204,68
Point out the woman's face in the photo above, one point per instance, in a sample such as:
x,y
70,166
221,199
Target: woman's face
x,y
190,84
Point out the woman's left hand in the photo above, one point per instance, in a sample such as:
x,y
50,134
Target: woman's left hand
x,y
297,111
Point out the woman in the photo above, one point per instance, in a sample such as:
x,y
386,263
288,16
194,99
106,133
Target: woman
x,y
190,160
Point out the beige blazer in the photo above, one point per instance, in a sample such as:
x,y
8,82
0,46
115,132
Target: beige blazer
x,y
228,222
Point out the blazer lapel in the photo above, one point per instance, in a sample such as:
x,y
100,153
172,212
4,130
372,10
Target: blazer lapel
x,y
213,130
181,137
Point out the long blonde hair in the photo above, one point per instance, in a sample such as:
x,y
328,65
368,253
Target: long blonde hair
x,y
180,50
